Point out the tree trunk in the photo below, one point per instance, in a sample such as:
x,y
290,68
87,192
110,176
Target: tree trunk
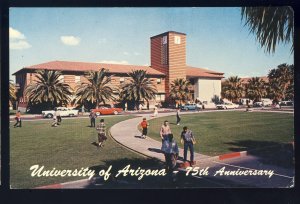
x,y
97,104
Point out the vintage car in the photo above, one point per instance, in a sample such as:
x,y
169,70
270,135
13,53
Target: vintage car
x,y
190,106
107,111
227,105
63,111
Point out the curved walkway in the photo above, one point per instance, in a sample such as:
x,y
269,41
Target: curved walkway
x,y
127,134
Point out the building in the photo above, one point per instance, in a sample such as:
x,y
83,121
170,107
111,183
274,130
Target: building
x,y
168,62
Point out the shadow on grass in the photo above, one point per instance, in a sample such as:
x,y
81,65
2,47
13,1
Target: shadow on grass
x,y
180,180
274,153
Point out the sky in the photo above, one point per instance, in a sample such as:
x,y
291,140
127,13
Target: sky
x,y
216,38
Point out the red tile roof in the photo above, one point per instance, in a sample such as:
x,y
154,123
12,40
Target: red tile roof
x,y
116,68
202,72
86,66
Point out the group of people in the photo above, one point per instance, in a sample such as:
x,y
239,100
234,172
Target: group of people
x,y
186,138
169,145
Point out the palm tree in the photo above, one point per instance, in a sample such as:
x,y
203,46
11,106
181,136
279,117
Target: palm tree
x,y
97,90
12,93
274,89
232,89
281,81
271,25
180,90
138,88
49,89
255,89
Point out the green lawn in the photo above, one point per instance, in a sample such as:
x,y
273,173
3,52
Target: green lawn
x,y
65,147
223,132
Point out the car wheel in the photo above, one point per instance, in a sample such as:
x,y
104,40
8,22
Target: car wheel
x,y
98,113
116,113
49,115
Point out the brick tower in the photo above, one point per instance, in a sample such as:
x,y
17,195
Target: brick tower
x,y
168,55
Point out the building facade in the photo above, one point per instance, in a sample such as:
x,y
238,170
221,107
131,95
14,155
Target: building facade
x,y
168,62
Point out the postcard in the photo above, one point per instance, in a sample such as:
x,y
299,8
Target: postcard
x,y
151,97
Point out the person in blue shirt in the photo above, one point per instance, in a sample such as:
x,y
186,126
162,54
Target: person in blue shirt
x,y
171,153
188,141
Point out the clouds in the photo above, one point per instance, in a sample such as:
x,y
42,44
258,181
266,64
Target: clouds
x,y
134,53
113,62
17,40
70,40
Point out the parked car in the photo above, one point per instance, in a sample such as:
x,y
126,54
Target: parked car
x,y
63,111
258,104
267,101
286,103
227,105
243,101
190,106
206,105
107,111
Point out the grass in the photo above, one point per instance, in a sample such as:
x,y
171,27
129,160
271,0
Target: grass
x,y
223,132
65,147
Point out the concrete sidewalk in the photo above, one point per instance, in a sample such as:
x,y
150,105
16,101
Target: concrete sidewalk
x,y
148,147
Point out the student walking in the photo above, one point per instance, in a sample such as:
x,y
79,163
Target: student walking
x,y
178,116
93,117
101,129
165,130
144,124
155,112
187,138
171,153
58,117
18,119
54,123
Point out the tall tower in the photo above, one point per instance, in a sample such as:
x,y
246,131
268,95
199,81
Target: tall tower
x,y
168,55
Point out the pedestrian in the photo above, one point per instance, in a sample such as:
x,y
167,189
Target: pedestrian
x,y
54,123
82,110
101,129
125,106
18,119
58,117
92,118
155,111
165,130
144,124
188,139
171,153
178,116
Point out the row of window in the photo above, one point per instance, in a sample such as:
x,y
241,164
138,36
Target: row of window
x,y
122,79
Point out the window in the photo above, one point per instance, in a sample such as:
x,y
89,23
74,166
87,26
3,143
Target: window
x,y
61,78
77,79
160,97
165,40
177,39
158,81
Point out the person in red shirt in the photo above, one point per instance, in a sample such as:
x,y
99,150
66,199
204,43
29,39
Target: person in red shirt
x,y
144,124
